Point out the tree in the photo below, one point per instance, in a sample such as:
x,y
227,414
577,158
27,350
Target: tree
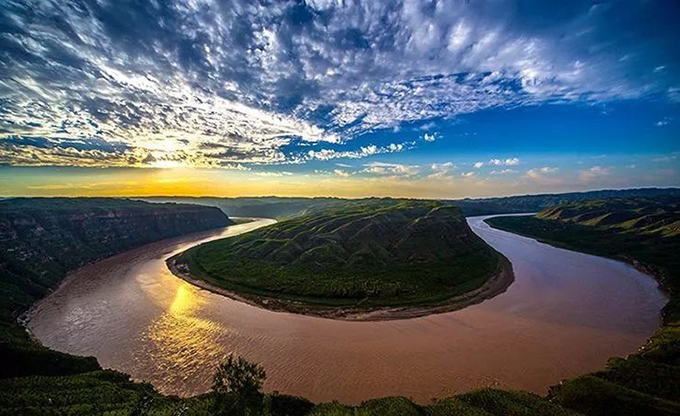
x,y
238,387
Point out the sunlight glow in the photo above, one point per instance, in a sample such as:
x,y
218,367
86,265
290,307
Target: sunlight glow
x,y
166,164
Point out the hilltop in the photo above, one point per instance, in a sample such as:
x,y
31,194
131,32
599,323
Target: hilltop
x,y
345,259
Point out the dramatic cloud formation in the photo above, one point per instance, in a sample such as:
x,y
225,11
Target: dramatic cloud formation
x,y
210,83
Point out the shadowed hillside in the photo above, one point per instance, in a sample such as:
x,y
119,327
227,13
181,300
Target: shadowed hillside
x,y
41,239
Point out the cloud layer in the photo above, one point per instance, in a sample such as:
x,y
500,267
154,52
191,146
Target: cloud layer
x,y
213,83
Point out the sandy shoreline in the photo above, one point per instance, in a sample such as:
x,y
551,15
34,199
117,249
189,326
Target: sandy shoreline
x,y
496,285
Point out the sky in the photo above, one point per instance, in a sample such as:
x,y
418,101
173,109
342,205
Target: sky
x,y
427,99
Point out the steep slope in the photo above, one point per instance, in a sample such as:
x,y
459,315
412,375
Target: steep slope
x,y
364,254
42,239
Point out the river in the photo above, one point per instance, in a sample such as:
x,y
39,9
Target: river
x,y
565,314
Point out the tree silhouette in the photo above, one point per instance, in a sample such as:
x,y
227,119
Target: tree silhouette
x,y
237,387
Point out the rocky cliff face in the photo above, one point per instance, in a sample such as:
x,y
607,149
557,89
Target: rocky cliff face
x,y
43,238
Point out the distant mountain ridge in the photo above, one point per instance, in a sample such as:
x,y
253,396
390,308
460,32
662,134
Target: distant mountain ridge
x,y
539,202
288,207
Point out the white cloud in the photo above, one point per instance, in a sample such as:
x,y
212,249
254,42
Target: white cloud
x,y
502,172
467,174
212,86
498,162
364,151
442,170
544,176
447,166
379,168
273,173
342,173
507,162
540,173
593,173
663,122
430,137
665,159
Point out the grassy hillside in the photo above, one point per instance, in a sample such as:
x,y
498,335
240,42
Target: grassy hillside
x,y
366,253
646,233
539,202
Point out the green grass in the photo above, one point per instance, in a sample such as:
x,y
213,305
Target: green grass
x,y
366,253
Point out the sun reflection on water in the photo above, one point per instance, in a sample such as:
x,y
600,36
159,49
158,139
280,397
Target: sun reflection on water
x,y
180,338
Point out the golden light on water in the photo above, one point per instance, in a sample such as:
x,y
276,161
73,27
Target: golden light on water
x,y
180,337
185,302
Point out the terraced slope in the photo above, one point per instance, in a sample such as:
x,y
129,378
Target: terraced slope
x,y
362,254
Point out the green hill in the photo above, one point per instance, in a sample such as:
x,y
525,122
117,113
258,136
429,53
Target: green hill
x,y
641,231
368,253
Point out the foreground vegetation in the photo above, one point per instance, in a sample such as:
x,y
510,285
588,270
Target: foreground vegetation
x,y
52,383
363,254
646,233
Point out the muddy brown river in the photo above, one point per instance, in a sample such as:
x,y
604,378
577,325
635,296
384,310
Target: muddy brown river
x,y
565,315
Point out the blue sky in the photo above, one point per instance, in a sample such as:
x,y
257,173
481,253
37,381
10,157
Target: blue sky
x,y
406,98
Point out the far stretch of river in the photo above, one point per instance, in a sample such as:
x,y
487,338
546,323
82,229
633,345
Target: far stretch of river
x,y
565,315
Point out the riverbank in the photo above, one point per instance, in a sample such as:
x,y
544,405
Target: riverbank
x,y
644,234
496,285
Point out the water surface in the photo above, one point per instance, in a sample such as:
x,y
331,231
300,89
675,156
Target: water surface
x,y
565,315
